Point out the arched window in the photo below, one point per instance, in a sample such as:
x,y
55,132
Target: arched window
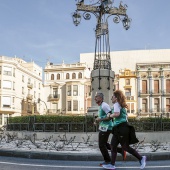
x,y
67,76
80,75
52,76
58,76
74,76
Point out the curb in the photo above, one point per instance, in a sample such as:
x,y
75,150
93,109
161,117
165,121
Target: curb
x,y
78,156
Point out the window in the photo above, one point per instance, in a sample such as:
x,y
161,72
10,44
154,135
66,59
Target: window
x,y
67,76
80,75
13,85
14,72
167,86
69,90
7,84
168,104
74,76
52,76
144,86
55,92
127,92
34,94
13,100
144,105
69,106
75,90
6,101
39,85
7,71
22,90
58,76
127,82
0,69
75,105
156,86
156,105
29,81
34,84
22,78
128,109
132,108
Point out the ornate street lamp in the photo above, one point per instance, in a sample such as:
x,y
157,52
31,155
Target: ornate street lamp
x,y
76,18
102,76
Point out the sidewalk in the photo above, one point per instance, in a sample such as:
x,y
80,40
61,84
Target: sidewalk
x,y
74,156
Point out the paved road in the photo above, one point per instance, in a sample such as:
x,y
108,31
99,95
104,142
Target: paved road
x,y
13,163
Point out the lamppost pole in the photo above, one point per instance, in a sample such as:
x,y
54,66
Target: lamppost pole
x,y
39,100
102,75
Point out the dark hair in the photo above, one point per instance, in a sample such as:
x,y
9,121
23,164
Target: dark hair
x,y
121,99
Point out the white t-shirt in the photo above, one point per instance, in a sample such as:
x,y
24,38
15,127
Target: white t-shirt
x,y
117,107
105,107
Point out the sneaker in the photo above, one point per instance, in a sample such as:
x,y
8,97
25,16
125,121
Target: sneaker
x,y
143,162
104,163
109,166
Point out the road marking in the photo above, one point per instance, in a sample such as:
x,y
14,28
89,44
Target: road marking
x,y
83,167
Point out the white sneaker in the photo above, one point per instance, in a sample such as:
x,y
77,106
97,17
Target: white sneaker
x,y
143,162
109,166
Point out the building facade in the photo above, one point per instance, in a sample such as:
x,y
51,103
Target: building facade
x,y
20,88
143,76
153,88
67,88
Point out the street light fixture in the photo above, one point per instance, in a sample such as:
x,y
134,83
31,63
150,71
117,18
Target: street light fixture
x,y
102,76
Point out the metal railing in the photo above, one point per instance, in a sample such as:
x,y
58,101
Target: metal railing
x,y
84,127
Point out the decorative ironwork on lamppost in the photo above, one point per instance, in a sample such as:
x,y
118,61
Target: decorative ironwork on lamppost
x,y
102,10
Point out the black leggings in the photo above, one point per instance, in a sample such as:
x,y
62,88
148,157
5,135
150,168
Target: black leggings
x,y
121,135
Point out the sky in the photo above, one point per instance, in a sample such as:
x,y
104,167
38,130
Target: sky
x,y
43,30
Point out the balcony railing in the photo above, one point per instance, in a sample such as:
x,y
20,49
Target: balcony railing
x,y
30,85
54,111
129,97
29,96
53,97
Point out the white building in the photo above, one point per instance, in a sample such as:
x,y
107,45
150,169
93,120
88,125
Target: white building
x,y
143,75
20,88
67,88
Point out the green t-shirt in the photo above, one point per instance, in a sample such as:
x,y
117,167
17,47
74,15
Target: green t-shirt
x,y
103,114
121,118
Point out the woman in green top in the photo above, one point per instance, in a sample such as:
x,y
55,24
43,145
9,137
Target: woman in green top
x,y
122,131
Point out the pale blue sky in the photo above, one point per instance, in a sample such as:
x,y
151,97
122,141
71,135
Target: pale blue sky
x,y
39,30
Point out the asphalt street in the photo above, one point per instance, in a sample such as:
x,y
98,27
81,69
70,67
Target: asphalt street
x,y
13,163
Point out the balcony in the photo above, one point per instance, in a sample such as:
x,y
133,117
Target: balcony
x,y
30,85
129,97
54,111
166,92
29,97
143,93
53,97
155,92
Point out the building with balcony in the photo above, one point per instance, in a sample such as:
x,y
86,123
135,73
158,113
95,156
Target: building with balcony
x,y
20,87
144,77
67,88
153,88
